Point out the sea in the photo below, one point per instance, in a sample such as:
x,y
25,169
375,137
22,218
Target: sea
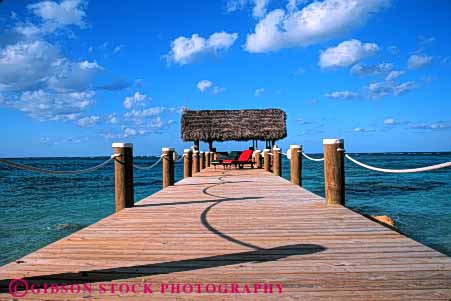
x,y
37,209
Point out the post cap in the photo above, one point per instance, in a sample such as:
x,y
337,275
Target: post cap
x,y
266,150
276,148
257,151
295,146
167,149
196,151
121,144
187,150
333,141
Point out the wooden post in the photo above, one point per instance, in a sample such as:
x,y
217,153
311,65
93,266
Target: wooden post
x,y
202,160
196,166
123,176
258,159
187,163
207,159
168,166
196,144
266,162
210,146
334,172
296,164
277,163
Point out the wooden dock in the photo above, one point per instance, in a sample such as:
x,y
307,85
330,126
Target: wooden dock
x,y
236,227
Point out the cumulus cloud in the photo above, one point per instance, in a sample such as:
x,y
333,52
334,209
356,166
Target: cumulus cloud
x,y
88,121
136,100
204,85
259,91
208,86
45,105
345,95
186,49
439,125
369,70
384,88
390,122
363,130
259,6
416,61
317,22
394,75
346,54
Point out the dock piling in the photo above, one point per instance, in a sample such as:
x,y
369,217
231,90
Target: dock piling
x,y
196,166
334,173
168,166
296,164
258,159
123,175
187,163
277,161
266,158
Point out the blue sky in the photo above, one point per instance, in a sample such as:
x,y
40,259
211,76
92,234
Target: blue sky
x,y
77,75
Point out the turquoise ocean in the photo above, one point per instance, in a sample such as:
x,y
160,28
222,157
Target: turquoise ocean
x,y
37,209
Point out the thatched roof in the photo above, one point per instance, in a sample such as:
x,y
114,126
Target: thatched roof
x,y
222,125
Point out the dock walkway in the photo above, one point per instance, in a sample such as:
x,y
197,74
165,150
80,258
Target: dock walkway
x,y
241,229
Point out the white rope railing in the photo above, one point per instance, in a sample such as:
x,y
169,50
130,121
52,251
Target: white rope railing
x,y
179,157
284,154
149,167
312,159
410,170
57,172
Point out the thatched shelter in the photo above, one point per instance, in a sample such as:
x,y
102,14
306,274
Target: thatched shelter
x,y
237,125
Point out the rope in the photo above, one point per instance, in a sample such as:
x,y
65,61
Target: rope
x,y
57,172
313,159
148,167
411,170
179,158
284,154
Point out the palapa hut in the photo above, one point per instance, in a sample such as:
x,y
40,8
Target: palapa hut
x,y
239,125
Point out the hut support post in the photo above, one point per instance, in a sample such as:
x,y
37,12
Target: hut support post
x,y
123,175
210,145
266,162
168,166
258,159
277,163
296,164
334,173
202,160
207,159
187,163
196,144
196,166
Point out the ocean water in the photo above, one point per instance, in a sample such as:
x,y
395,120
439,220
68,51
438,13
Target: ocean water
x,y
37,209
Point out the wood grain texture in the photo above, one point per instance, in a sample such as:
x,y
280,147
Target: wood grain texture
x,y
123,178
295,165
239,227
334,174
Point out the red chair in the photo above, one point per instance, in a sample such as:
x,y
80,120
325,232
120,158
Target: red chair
x,y
244,158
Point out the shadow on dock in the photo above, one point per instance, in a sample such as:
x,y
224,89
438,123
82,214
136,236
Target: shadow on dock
x,y
102,275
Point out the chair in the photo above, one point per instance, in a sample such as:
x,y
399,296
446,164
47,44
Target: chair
x,y
244,158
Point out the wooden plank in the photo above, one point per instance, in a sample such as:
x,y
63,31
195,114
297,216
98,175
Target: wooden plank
x,y
244,227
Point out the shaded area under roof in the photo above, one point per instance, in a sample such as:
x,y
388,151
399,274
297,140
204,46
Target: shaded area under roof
x,y
238,125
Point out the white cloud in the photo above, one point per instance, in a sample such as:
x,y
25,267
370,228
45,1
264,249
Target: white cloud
x,y
368,70
439,125
208,86
384,88
184,50
112,118
390,122
67,12
363,130
394,75
260,8
117,48
44,105
259,91
204,85
346,54
416,61
346,95
88,121
135,100
319,21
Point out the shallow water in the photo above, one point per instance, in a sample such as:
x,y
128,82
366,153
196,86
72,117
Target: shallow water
x,y
37,209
